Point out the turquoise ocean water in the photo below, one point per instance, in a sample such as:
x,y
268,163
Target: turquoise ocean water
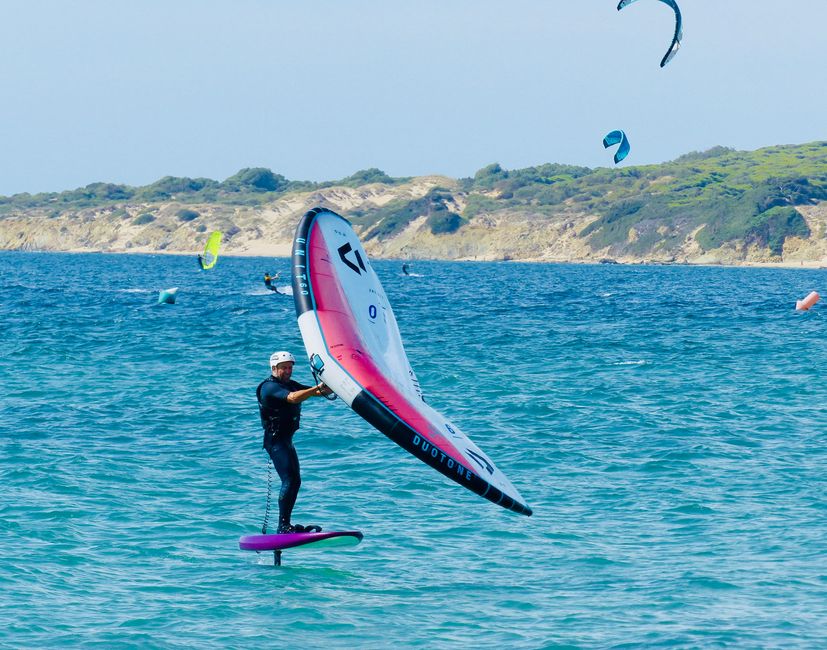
x,y
667,425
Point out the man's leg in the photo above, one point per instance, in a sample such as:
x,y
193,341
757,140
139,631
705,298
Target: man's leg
x,y
286,462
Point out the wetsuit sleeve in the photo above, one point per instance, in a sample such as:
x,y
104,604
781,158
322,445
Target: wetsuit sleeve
x,y
294,386
274,394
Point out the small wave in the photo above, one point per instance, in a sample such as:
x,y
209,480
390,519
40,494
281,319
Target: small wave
x,y
285,290
639,362
711,583
693,509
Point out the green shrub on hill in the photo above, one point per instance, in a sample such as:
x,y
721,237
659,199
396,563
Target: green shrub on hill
x,y
187,215
255,179
143,219
444,222
367,176
173,186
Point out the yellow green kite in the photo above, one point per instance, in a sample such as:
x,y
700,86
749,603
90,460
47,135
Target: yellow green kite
x,y
210,256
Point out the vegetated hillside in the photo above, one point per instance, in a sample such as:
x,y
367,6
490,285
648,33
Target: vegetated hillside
x,y
719,205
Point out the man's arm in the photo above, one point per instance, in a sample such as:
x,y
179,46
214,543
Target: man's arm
x,y
298,396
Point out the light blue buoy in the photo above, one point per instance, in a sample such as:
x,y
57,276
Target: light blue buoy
x,y
167,296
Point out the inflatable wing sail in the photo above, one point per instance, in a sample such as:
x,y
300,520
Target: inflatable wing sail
x,y
211,251
354,347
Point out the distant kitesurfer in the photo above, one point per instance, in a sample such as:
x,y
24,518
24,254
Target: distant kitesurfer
x,y
268,281
200,261
405,268
279,404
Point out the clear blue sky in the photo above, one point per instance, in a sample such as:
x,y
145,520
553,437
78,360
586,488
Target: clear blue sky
x,y
130,91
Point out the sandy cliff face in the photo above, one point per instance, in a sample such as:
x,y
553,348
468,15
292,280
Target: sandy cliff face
x,y
268,231
498,236
813,249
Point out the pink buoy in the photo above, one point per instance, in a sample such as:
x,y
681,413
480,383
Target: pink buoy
x,y
809,300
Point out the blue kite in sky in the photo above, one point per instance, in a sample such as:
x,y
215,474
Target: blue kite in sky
x,y
676,39
614,137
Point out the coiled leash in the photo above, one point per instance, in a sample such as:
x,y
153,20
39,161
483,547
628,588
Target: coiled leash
x,y
269,492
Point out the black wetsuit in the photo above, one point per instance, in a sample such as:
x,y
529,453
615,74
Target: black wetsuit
x,y
280,420
268,282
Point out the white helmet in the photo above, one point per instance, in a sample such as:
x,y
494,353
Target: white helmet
x,y
280,357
